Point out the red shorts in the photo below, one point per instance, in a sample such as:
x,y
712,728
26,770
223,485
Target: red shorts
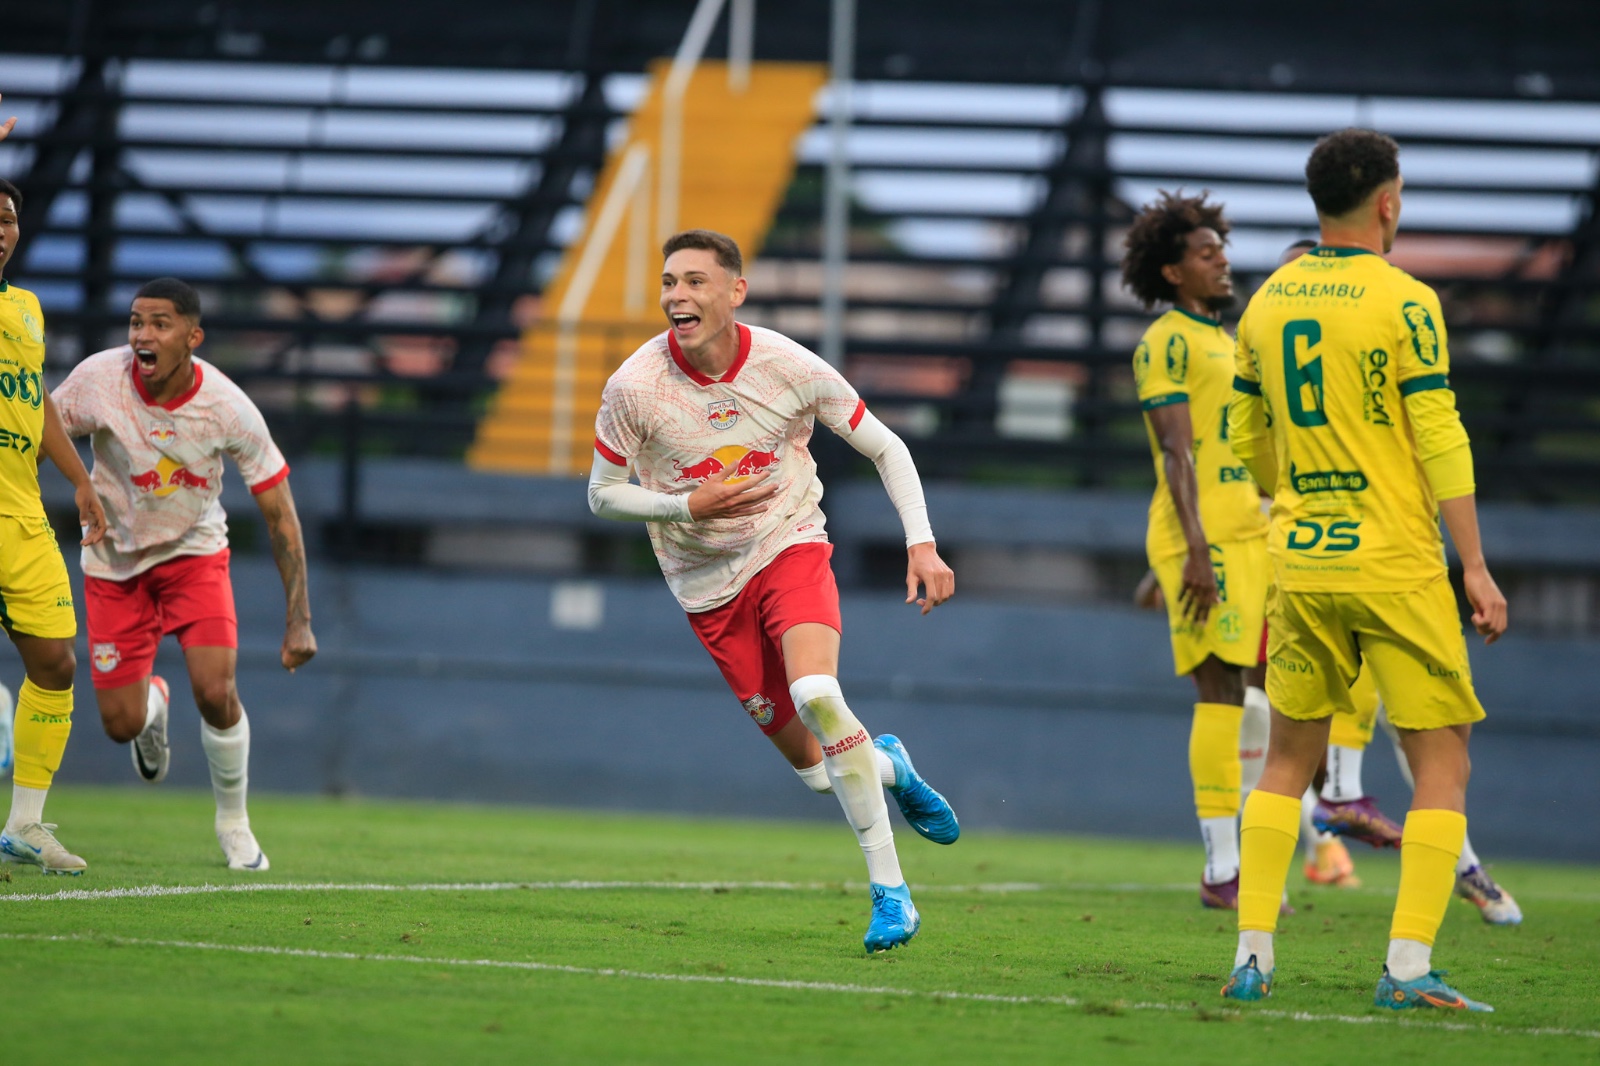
x,y
745,634
190,596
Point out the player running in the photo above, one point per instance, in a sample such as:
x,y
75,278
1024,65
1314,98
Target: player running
x,y
1206,538
1342,407
161,420
35,592
714,417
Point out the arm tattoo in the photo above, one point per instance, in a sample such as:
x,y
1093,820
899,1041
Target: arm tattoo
x,y
288,551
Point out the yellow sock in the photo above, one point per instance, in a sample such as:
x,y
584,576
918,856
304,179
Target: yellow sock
x,y
1429,848
1214,759
44,721
1267,835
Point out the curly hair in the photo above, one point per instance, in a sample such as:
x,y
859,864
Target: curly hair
x,y
1159,236
1346,166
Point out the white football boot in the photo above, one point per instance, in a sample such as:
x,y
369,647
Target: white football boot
x,y
35,845
240,847
152,751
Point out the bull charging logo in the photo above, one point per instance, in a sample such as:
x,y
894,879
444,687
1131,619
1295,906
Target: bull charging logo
x,y
163,433
168,477
741,460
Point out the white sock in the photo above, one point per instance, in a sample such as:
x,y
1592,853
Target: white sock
x,y
816,777
1344,775
885,768
1221,836
1255,942
228,755
1469,858
1409,959
27,806
1254,727
847,755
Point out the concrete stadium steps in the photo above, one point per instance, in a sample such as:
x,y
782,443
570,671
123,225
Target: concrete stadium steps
x,y
738,158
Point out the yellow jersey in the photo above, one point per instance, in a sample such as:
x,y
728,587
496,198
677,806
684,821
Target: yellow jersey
x,y
1186,358
21,401
1333,343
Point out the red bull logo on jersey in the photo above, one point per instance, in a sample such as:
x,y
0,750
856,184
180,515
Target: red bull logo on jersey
x,y
742,461
168,477
163,433
723,413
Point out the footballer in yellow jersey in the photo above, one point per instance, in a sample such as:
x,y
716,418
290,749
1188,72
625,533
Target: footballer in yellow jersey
x,y
1343,410
35,595
1206,538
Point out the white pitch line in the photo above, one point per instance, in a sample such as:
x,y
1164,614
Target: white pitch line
x,y
159,891
765,982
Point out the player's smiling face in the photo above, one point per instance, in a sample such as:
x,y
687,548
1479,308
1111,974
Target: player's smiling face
x,y
9,233
699,297
162,341
1203,275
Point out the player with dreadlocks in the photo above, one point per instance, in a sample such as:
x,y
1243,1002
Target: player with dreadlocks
x,y
1206,539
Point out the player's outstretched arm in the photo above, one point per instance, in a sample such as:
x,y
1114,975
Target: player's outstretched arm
x,y
57,447
289,552
925,571
1176,434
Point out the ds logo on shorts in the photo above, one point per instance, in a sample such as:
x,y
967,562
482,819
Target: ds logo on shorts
x,y
106,657
760,709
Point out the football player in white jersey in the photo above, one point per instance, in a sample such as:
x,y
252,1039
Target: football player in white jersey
x,y
161,420
714,418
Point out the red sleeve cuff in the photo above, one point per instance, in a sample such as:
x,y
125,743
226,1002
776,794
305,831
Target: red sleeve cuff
x,y
260,487
611,456
861,410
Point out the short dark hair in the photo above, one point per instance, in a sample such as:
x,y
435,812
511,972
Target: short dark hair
x,y
723,246
1159,237
184,299
1346,166
8,189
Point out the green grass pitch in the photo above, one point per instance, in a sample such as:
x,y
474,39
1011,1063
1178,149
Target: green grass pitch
x,y
1033,948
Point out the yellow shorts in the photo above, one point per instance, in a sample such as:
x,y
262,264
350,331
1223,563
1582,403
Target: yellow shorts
x,y
1410,641
1232,632
1355,730
35,593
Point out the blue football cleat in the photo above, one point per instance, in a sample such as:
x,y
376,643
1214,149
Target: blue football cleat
x,y
894,918
1247,983
1426,991
925,810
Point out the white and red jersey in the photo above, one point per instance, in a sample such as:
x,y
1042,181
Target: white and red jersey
x,y
158,467
677,427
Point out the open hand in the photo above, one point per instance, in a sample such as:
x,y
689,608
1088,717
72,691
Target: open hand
x,y
1199,592
717,497
91,514
925,568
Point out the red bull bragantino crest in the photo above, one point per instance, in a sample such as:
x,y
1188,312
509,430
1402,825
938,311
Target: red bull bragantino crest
x,y
163,433
724,413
